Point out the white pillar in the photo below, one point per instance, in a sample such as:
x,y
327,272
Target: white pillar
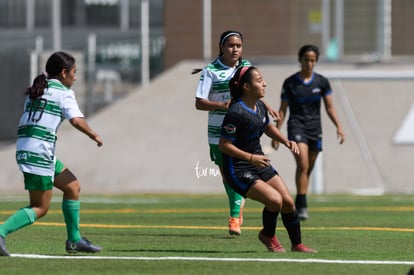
x,y
339,26
384,43
124,15
207,29
89,103
30,15
145,75
317,184
326,27
56,25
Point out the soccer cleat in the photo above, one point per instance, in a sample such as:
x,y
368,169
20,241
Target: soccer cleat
x,y
234,226
272,243
82,246
303,214
302,248
3,249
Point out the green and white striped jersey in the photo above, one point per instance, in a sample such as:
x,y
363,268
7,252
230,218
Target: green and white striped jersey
x,y
36,135
214,86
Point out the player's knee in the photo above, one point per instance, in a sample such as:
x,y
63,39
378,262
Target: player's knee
x,y
275,204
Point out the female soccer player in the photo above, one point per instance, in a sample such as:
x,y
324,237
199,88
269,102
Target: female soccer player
x,y
302,93
213,95
246,169
49,101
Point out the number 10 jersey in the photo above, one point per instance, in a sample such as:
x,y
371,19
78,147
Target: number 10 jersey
x,y
36,135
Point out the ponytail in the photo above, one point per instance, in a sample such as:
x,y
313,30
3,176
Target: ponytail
x,y
38,87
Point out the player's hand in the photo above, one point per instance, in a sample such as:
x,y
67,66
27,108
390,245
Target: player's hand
x,y
274,114
293,147
275,144
341,135
260,160
97,139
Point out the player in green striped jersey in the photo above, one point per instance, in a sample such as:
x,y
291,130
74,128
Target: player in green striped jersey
x,y
49,101
213,95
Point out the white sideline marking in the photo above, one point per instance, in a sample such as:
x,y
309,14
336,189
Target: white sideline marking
x,y
323,261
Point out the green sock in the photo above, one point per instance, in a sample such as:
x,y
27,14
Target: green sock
x,y
71,209
23,217
235,201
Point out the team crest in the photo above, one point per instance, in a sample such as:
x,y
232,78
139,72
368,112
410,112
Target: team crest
x,y
230,128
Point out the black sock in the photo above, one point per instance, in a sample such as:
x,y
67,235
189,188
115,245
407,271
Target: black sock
x,y
269,220
301,201
292,224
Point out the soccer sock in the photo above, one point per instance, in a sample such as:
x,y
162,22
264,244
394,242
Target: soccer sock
x,y
71,209
235,201
23,217
301,201
292,224
269,220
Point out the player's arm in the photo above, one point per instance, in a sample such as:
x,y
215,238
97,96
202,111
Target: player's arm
x,y
208,105
274,133
81,124
227,147
330,110
282,115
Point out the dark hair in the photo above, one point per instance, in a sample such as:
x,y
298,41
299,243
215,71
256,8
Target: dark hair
x,y
57,62
223,38
225,35
242,75
308,48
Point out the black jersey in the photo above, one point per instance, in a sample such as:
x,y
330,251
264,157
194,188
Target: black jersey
x,y
305,102
244,127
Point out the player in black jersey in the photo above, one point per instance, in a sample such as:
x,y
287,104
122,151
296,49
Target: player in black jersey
x,y
302,93
245,167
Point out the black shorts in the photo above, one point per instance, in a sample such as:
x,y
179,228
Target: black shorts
x,y
240,180
314,142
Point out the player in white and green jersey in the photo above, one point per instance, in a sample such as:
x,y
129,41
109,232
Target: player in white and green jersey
x,y
35,148
49,101
213,95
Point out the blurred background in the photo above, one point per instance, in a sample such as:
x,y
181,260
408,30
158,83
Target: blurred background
x,y
105,36
142,51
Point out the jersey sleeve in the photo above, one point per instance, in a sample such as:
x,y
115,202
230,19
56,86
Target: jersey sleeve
x,y
70,106
230,125
326,86
204,84
284,93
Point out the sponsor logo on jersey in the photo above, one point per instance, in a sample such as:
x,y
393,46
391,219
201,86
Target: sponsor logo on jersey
x,y
316,91
230,128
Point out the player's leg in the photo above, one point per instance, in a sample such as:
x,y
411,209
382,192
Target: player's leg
x,y
302,180
40,194
66,181
235,200
272,200
289,215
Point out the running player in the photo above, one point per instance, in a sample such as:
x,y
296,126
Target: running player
x,y
247,170
49,101
302,93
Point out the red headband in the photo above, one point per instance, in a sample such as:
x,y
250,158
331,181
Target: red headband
x,y
242,72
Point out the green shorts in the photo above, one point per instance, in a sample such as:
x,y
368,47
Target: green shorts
x,y
37,182
216,155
